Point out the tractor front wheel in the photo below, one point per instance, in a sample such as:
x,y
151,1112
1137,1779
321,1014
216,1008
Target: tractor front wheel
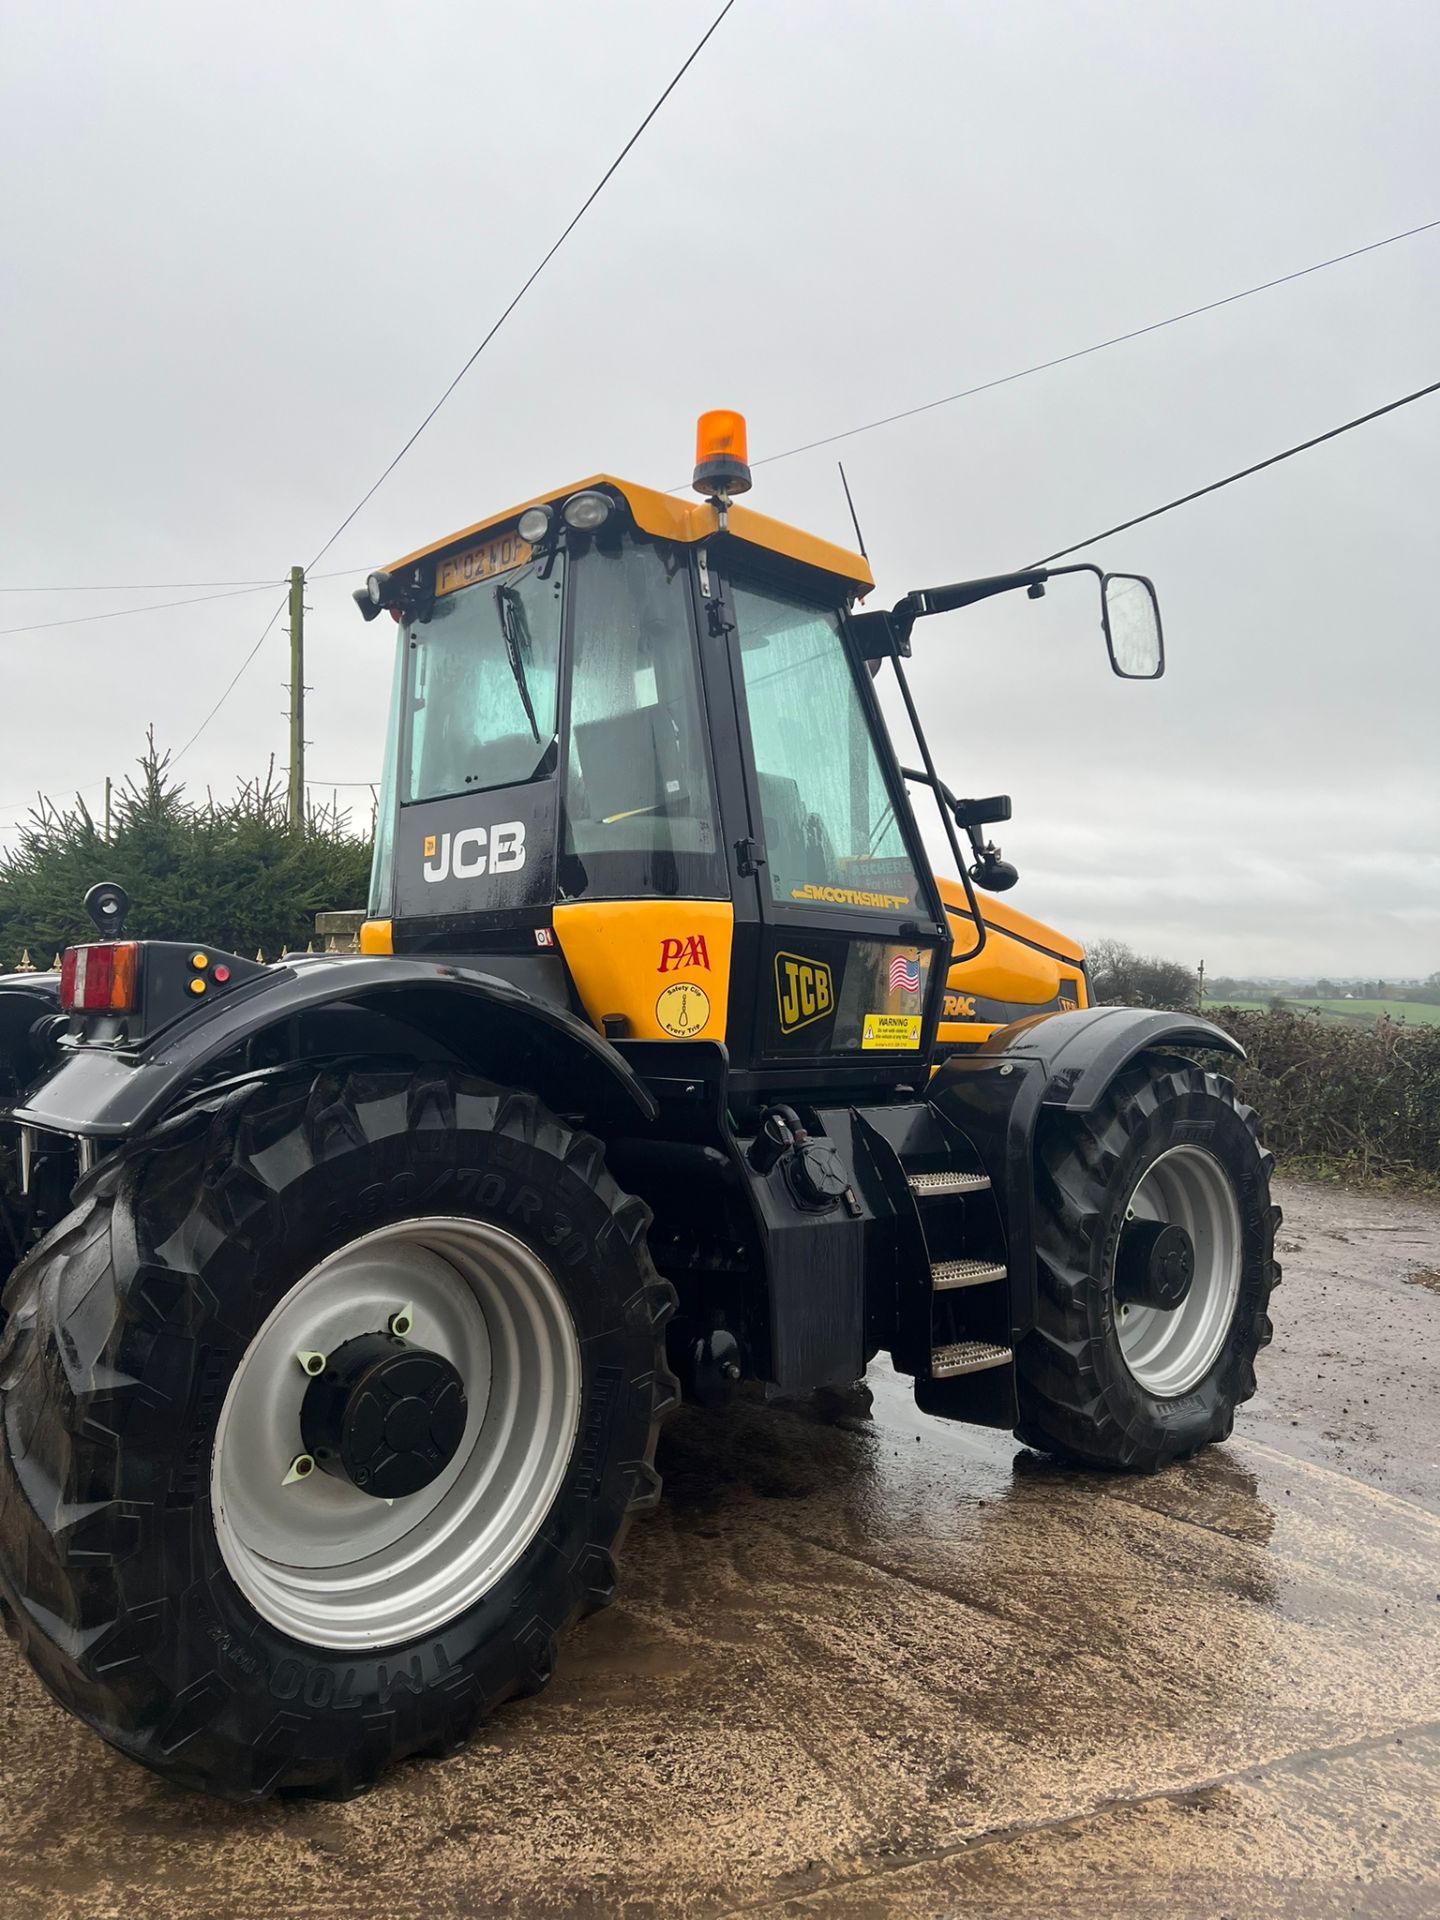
x,y
323,1414
1156,1239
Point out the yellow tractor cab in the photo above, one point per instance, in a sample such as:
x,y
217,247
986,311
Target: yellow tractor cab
x,y
722,847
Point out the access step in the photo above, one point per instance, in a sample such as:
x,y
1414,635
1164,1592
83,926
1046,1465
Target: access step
x,y
948,1274
967,1356
929,1186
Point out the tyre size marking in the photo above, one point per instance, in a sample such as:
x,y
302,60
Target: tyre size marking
x,y
591,1449
212,1377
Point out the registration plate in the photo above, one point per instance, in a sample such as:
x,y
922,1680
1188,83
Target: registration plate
x,y
498,554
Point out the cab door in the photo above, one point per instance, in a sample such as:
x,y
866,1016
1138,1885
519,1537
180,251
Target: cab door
x,y
851,939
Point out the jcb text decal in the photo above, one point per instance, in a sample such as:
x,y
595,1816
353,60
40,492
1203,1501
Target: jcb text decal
x,y
803,990
475,850
690,951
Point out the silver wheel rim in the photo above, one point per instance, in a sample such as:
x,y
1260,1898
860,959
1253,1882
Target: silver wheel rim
x,y
335,1567
1168,1352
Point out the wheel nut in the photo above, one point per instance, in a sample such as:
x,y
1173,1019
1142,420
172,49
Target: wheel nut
x,y
301,1468
402,1322
311,1363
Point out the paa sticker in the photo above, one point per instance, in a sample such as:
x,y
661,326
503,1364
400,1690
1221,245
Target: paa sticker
x,y
683,1010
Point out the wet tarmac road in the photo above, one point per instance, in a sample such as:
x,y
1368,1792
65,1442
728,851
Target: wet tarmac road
x,y
865,1664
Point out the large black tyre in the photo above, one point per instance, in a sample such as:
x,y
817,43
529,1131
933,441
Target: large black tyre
x,y
1078,1396
130,1319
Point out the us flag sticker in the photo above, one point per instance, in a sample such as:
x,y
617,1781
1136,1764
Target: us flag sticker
x,y
904,974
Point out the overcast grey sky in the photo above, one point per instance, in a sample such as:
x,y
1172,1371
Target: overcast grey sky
x,y
243,248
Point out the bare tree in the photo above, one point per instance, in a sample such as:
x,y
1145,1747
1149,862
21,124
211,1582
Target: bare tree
x,y
1120,977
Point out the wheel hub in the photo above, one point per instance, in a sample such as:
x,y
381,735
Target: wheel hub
x,y
1155,1265
385,1416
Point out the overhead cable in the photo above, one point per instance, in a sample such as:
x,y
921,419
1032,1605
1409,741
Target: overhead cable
x,y
1098,346
1244,473
529,282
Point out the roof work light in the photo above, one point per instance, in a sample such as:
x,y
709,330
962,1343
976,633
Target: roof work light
x,y
720,454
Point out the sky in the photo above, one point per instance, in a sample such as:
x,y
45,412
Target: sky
x,y
244,248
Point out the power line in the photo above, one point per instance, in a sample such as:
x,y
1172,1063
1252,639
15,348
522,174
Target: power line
x,y
124,613
143,586
589,202
1099,346
234,678
1215,485
1303,446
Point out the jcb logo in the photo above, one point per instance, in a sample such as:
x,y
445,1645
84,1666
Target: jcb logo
x,y
474,850
689,952
803,991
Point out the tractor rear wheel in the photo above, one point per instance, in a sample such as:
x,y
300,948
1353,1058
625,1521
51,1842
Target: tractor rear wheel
x,y
1156,1243
323,1414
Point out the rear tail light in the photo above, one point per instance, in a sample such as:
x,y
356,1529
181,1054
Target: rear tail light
x,y
100,979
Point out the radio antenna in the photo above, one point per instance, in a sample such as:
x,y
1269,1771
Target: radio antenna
x,y
854,517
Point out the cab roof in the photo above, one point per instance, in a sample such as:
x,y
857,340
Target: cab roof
x,y
685,521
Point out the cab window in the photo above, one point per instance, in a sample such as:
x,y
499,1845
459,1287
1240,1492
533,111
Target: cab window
x,y
831,837
639,806
484,685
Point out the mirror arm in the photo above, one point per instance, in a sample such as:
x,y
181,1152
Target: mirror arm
x,y
965,593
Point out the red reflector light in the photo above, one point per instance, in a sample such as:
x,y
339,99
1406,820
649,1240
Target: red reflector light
x,y
100,979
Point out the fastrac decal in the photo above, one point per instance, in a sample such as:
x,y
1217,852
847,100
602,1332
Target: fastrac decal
x,y
690,951
475,850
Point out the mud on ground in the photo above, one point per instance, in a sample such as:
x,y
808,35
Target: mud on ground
x,y
864,1664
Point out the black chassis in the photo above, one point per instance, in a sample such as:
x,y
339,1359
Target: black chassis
x,y
803,1293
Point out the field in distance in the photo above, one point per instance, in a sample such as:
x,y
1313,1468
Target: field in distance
x,y
1414,1013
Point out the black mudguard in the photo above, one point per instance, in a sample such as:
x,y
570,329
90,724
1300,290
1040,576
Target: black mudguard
x,y
29,1006
996,1094
390,1005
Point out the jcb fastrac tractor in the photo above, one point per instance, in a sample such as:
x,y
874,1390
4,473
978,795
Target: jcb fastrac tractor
x,y
349,1293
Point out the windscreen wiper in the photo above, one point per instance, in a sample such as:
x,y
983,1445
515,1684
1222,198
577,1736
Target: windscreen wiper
x,y
516,629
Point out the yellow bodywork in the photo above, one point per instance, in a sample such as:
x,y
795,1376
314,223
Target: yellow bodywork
x,y
669,517
1024,967
662,967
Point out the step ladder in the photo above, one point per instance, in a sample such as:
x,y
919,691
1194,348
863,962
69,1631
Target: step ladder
x,y
963,1316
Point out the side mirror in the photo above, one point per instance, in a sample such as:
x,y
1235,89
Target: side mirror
x,y
1130,615
981,813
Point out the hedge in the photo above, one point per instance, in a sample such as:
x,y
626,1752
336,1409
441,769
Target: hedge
x,y
1341,1098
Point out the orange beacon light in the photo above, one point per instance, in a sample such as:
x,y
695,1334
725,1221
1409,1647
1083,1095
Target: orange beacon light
x,y
720,454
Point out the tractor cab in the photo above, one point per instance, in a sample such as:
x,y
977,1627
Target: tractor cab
x,y
636,761
635,754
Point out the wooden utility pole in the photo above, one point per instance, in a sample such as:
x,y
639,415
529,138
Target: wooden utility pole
x,y
296,808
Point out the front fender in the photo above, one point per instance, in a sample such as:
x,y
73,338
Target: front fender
x,y
1080,1053
484,1023
995,1095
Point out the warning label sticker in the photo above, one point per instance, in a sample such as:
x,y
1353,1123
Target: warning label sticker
x,y
885,1032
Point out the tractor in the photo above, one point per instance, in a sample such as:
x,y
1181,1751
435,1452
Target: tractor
x,y
349,1293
